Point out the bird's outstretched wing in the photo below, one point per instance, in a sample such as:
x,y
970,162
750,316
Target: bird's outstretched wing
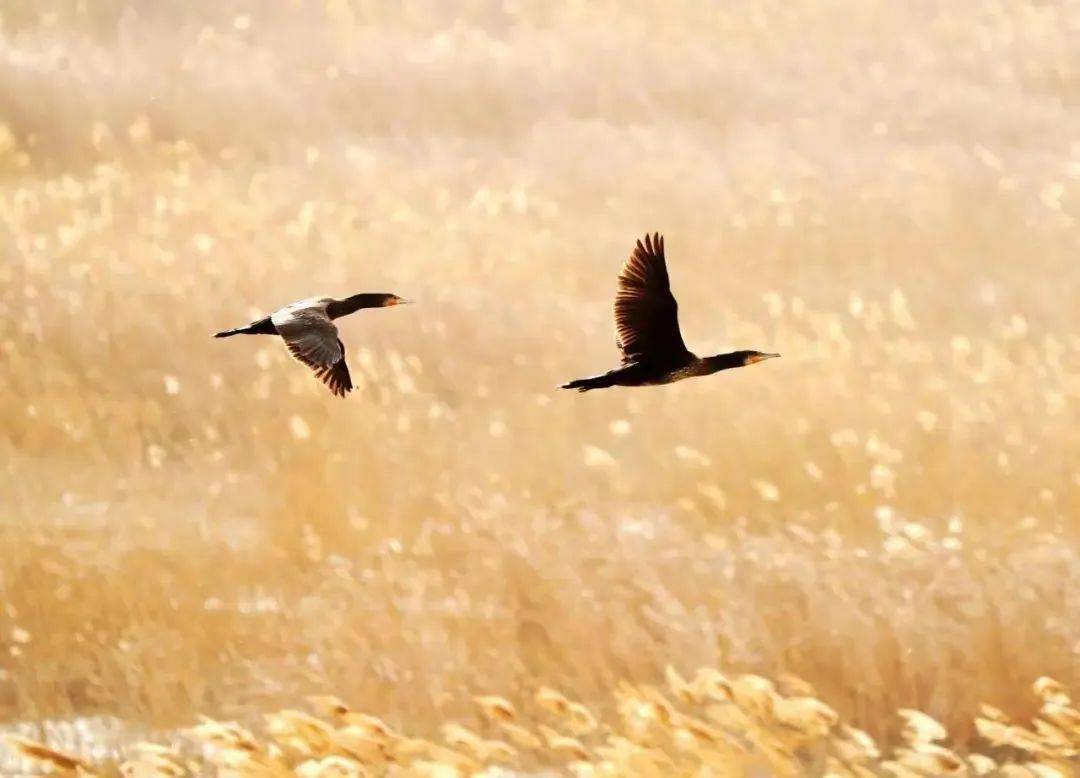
x,y
336,377
646,314
313,339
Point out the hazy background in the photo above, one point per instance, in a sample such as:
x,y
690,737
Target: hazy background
x,y
886,193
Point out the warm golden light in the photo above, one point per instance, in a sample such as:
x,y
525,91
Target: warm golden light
x,y
884,520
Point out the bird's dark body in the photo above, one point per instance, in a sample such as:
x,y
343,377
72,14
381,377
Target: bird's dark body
x,y
647,329
634,374
658,373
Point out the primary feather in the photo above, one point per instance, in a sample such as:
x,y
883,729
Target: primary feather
x,y
312,339
646,314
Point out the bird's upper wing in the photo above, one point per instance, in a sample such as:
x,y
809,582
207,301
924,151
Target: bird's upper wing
x,y
313,339
646,314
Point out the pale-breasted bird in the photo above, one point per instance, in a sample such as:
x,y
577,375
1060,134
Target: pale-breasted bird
x,y
308,329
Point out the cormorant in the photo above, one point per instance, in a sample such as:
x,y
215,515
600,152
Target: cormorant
x,y
647,329
308,329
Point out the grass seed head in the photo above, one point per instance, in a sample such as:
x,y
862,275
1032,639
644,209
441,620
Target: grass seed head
x,y
931,759
1051,769
328,705
373,725
331,767
520,736
1053,737
1049,690
755,695
457,736
496,708
994,714
314,736
981,764
679,687
793,686
551,700
807,714
713,684
1064,716
359,744
563,745
921,728
39,752
224,734
153,761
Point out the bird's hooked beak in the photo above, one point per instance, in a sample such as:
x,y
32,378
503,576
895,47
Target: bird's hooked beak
x,y
759,358
397,301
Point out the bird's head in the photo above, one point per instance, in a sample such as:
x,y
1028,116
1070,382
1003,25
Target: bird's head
x,y
338,308
739,359
736,359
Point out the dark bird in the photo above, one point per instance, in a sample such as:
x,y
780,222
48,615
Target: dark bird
x,y
309,332
647,329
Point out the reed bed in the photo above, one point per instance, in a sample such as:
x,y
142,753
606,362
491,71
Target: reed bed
x,y
887,195
710,724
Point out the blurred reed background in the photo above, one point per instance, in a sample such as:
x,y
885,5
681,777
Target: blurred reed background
x,y
885,193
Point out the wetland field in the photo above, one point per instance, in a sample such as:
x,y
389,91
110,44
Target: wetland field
x,y
862,558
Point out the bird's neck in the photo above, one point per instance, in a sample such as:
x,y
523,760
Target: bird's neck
x,y
339,308
723,362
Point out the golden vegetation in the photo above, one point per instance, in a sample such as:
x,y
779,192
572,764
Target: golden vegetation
x,y
708,725
887,195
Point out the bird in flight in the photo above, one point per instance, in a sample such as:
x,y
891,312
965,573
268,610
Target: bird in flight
x,y
647,329
309,332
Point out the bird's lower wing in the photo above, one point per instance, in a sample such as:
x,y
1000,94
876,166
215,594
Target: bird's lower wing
x,y
336,377
313,339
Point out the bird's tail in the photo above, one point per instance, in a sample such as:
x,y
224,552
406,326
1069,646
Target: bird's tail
x,y
260,327
592,382
233,331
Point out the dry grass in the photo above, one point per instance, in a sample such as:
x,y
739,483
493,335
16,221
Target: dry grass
x,y
710,725
885,194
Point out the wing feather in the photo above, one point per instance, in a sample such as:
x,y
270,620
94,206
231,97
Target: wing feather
x,y
336,376
646,314
312,339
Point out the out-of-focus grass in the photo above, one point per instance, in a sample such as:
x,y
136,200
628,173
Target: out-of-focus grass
x,y
885,195
709,724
